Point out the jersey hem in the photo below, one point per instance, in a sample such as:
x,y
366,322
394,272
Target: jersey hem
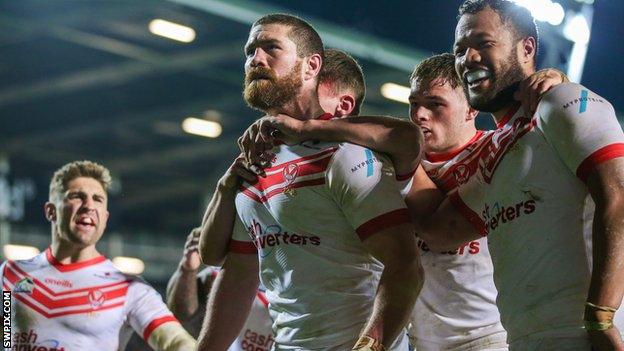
x,y
603,154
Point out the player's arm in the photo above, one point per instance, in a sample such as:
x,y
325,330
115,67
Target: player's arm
x,y
400,139
230,301
183,289
584,131
400,284
218,220
606,186
436,218
171,337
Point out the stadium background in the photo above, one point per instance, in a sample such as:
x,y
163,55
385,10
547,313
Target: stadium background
x,y
93,80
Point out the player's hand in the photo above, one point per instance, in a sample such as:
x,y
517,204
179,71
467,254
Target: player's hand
x,y
256,146
283,128
533,87
190,259
236,173
604,340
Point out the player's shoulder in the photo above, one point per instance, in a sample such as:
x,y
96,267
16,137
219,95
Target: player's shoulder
x,y
27,265
569,97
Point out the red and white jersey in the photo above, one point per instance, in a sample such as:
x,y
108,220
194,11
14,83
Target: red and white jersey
x,y
79,306
306,220
257,333
457,304
529,196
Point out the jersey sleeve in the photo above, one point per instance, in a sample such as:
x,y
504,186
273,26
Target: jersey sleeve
x,y
241,241
146,309
364,186
581,126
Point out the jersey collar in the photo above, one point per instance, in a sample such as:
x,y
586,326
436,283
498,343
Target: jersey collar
x,y
512,111
441,157
68,267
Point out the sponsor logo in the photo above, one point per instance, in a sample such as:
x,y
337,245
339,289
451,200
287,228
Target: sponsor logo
x,y
498,215
59,282
366,164
256,341
25,285
471,248
266,239
27,341
96,298
582,101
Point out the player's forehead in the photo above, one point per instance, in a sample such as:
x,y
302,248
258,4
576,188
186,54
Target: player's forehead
x,y
265,33
481,25
86,185
436,88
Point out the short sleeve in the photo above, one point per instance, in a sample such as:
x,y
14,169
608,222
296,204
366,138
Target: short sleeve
x,y
581,126
241,241
364,185
146,309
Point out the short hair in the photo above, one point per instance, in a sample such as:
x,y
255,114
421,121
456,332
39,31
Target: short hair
x,y
76,169
343,72
438,66
306,38
520,17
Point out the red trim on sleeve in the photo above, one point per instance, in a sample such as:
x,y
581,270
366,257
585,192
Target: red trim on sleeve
x,y
468,213
242,247
406,176
68,267
262,298
512,111
604,154
325,116
384,221
157,323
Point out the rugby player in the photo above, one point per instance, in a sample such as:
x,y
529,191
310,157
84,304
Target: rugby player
x,y
70,297
336,260
534,182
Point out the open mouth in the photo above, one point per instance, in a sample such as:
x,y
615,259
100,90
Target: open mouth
x,y
85,222
475,77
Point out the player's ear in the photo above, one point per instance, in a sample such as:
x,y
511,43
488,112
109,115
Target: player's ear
x,y
312,66
49,210
472,114
346,105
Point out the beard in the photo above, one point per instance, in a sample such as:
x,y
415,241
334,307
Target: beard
x,y
504,85
263,90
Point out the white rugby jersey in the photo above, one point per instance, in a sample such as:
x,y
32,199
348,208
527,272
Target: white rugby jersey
x,y
306,220
457,304
528,195
256,334
78,306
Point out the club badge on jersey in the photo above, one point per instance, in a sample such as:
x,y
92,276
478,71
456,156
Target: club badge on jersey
x,y
290,173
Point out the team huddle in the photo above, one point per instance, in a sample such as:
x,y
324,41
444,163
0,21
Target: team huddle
x,y
334,231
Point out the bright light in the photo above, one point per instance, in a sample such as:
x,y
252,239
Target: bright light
x,y
201,127
395,92
19,252
129,265
172,30
577,29
544,10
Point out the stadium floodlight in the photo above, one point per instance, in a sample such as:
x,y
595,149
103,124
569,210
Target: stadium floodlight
x,y
129,265
395,92
172,30
577,29
201,127
19,252
544,10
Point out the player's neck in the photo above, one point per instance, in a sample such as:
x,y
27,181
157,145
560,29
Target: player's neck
x,y
67,253
458,143
304,106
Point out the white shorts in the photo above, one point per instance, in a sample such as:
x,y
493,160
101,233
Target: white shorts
x,y
492,342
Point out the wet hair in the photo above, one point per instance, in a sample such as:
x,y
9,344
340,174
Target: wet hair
x,y
77,169
520,18
343,72
306,38
437,67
